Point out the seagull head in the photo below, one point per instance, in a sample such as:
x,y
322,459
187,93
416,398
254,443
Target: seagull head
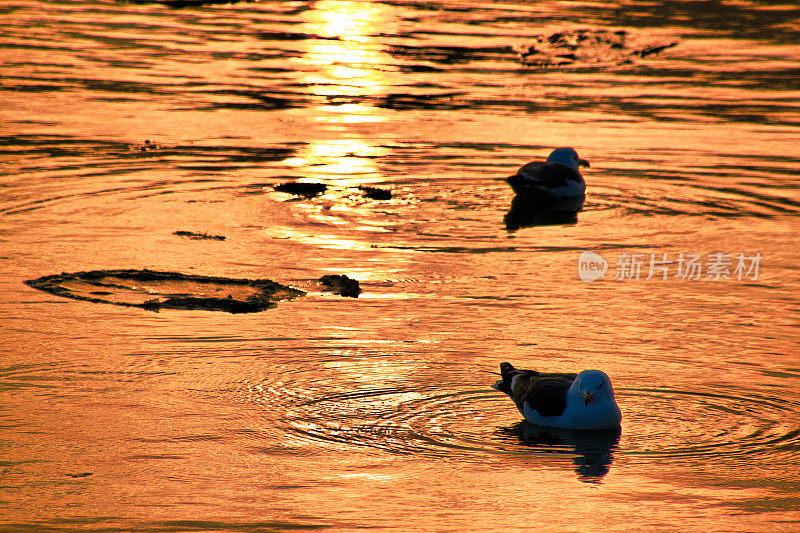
x,y
567,156
593,386
592,396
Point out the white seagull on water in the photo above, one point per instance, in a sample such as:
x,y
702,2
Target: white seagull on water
x,y
556,180
562,400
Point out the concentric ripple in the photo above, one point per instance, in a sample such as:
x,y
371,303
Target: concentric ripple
x,y
690,424
467,425
400,419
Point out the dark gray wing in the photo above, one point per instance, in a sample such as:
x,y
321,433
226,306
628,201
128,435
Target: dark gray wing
x,y
543,176
547,393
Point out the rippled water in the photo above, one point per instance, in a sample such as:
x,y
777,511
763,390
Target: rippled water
x,y
125,122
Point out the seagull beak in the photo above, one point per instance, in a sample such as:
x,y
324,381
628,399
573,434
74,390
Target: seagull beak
x,y
583,163
587,397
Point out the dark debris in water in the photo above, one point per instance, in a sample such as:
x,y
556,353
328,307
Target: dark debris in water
x,y
312,189
147,146
293,36
375,193
199,236
586,47
77,475
653,49
187,3
341,285
153,290
299,188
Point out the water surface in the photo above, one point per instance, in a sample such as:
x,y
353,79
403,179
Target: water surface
x,y
338,414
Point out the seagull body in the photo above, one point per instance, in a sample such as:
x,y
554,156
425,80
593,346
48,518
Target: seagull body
x,y
562,400
556,181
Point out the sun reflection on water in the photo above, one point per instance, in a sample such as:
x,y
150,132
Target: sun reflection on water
x,y
345,69
347,63
349,161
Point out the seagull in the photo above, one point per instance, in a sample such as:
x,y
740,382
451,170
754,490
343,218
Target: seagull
x,y
556,181
561,400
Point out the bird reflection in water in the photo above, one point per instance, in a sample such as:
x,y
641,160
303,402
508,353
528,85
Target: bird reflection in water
x,y
593,450
526,211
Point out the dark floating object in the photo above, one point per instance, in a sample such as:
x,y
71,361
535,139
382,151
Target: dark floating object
x,y
375,193
341,285
186,3
312,189
293,36
309,190
152,290
148,146
79,474
200,236
653,49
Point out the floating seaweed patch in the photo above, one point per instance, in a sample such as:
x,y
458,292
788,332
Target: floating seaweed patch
x,y
585,47
341,285
154,290
199,236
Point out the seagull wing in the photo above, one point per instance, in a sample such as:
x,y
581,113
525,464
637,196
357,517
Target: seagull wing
x,y
545,175
547,393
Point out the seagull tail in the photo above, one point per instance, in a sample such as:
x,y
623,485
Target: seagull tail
x,y
507,371
503,385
